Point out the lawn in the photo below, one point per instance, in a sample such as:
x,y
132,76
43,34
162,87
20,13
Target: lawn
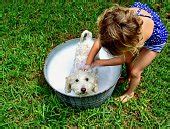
x,y
29,31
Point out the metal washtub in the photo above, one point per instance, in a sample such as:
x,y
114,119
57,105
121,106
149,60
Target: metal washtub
x,y
58,65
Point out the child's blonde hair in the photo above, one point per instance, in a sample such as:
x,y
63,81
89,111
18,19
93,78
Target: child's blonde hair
x,y
119,30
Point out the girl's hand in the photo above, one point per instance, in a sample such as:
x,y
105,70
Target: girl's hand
x,y
94,64
109,62
86,67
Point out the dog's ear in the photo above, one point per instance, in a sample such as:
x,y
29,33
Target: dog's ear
x,y
95,89
68,85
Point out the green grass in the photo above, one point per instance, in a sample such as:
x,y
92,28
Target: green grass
x,y
29,31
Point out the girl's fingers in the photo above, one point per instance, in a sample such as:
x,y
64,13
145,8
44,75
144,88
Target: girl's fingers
x,y
86,67
93,65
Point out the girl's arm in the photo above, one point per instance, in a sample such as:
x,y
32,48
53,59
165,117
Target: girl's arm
x,y
93,52
109,62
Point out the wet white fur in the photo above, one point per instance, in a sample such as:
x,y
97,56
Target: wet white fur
x,y
83,48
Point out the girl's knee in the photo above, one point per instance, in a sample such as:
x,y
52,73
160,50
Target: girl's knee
x,y
135,72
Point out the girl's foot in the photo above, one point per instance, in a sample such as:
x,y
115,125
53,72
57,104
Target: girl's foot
x,y
125,97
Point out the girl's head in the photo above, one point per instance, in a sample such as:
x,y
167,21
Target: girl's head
x,y
119,30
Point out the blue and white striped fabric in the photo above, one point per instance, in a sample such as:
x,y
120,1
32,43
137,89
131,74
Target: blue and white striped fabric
x,y
159,36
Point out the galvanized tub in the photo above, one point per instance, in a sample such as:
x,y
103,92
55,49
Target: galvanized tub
x,y
58,65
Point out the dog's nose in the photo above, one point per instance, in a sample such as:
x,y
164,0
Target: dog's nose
x,y
83,90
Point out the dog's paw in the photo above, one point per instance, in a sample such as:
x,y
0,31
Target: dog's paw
x,y
96,89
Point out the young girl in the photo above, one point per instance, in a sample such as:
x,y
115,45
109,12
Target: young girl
x,y
134,35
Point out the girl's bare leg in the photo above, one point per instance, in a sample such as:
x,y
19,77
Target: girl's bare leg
x,y
129,59
144,58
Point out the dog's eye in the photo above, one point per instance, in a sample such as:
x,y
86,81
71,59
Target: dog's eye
x,y
77,80
87,79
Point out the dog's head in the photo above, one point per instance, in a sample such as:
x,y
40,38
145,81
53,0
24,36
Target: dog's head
x,y
82,82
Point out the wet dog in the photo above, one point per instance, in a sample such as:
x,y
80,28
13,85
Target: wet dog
x,y
80,81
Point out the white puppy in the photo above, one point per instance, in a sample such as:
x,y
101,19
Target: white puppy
x,y
82,82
